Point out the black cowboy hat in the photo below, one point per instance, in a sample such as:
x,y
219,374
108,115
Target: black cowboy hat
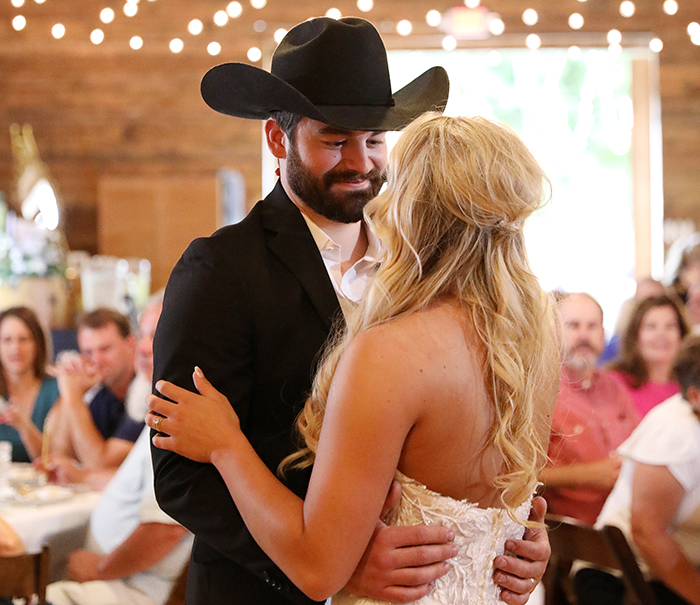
x,y
333,71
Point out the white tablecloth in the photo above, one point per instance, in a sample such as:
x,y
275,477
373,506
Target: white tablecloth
x,y
61,525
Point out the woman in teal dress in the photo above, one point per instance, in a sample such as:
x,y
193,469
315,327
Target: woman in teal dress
x,y
27,391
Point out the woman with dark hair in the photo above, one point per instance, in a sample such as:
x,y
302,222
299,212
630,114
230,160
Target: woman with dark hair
x,y
649,345
28,392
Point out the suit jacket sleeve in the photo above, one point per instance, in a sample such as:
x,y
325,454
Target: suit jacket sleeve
x,y
206,322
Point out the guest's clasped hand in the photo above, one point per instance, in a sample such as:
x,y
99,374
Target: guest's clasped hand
x,y
204,424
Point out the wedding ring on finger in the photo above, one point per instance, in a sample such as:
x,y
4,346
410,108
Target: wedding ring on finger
x,y
158,420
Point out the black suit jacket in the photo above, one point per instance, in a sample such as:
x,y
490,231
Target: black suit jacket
x,y
252,305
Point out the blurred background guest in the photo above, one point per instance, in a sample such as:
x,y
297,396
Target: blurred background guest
x,y
687,270
28,392
648,347
646,287
692,306
100,434
66,471
140,387
661,458
593,415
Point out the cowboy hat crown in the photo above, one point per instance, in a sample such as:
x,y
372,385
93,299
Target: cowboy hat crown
x,y
333,71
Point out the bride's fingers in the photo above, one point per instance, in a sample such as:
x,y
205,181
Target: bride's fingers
x,y
173,392
159,405
205,387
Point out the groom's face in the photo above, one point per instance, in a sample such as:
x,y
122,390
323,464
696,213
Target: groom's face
x,y
334,171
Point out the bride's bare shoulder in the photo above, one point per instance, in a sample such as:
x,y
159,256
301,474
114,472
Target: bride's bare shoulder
x,y
416,338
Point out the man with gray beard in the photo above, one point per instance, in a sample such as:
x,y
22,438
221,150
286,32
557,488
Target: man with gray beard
x,y
592,417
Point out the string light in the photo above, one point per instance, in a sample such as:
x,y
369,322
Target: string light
x,y
97,36
220,18
614,36
58,31
130,9
615,50
655,45
195,27
19,23
575,21
106,15
496,26
433,18
533,42
254,54
574,52
234,9
449,43
627,8
404,27
530,16
670,7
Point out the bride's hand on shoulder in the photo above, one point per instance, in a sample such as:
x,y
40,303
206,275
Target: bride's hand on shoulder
x,y
194,425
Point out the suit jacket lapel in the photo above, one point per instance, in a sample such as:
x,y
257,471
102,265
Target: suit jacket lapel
x,y
291,241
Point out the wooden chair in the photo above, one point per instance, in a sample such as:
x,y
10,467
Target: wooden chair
x,y
25,575
607,547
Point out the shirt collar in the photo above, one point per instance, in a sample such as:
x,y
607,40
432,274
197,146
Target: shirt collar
x,y
323,242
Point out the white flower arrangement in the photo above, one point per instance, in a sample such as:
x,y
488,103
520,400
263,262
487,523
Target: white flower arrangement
x,y
28,250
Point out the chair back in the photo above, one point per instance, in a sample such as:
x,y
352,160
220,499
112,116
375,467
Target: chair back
x,y
25,575
605,548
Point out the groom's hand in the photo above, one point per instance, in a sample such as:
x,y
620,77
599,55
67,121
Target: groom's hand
x,y
400,563
522,569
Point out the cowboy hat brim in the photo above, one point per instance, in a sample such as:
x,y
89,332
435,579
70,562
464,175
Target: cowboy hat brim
x,y
245,91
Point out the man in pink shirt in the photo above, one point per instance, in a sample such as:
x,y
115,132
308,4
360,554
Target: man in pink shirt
x,y
592,417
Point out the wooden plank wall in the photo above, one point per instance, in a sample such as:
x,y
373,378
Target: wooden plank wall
x,y
106,111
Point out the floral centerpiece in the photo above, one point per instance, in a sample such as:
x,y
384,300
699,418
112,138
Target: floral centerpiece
x,y
32,268
27,250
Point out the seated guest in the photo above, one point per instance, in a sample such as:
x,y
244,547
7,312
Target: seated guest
x,y
63,470
593,415
28,392
646,287
140,387
100,434
649,345
134,551
656,500
692,306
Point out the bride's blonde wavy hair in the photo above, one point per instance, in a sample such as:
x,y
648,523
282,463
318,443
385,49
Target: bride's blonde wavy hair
x,y
450,223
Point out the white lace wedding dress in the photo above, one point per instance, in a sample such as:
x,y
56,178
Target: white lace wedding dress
x,y
480,535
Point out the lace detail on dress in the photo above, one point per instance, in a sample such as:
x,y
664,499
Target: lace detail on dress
x,y
480,536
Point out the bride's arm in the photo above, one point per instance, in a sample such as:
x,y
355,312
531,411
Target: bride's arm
x,y
374,401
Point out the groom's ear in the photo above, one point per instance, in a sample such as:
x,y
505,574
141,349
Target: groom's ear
x,y
276,140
